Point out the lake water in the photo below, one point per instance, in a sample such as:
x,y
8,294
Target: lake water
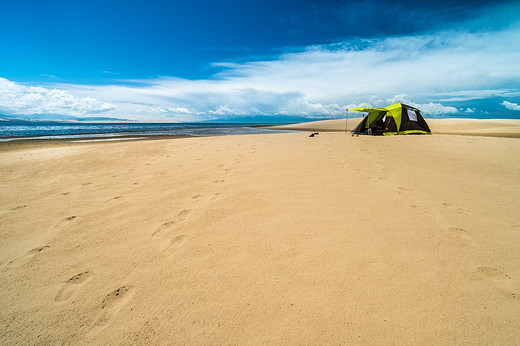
x,y
10,131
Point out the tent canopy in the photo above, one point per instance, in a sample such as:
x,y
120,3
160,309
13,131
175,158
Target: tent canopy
x,y
392,120
367,109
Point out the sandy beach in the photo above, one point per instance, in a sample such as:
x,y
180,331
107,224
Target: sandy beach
x,y
465,127
264,239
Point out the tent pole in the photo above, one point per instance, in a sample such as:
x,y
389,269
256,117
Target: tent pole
x,y
346,122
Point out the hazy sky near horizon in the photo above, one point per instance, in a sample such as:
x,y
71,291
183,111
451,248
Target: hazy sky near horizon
x,y
204,60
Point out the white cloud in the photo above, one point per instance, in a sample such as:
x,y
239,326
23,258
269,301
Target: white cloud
x,y
510,105
431,108
224,110
150,109
181,110
19,99
425,71
427,109
312,109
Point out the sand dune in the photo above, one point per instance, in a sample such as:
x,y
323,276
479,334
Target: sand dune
x,y
276,238
472,127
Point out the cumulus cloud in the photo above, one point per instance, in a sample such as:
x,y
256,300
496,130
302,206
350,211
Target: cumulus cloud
x,y
431,108
225,110
19,99
427,109
435,73
308,109
512,106
181,110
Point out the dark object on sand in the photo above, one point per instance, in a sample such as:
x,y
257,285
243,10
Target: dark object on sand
x,y
314,134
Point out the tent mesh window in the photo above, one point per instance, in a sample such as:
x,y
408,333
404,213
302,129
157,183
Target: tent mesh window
x,y
412,115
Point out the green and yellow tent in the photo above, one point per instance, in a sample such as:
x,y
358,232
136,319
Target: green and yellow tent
x,y
397,119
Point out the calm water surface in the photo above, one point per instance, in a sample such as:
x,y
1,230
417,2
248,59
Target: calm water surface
x,y
10,131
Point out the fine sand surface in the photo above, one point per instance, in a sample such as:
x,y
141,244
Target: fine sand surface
x,y
275,238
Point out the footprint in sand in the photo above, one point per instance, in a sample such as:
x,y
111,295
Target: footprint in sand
x,y
167,226
110,307
19,207
196,197
460,231
506,285
71,286
215,196
463,235
113,198
17,262
65,221
175,244
493,274
456,209
163,228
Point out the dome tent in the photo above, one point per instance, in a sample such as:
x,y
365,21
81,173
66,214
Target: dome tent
x,y
397,119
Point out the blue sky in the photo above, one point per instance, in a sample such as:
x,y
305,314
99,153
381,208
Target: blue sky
x,y
204,60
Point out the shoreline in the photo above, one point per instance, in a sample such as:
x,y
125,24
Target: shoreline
x,y
46,131
505,128
28,143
